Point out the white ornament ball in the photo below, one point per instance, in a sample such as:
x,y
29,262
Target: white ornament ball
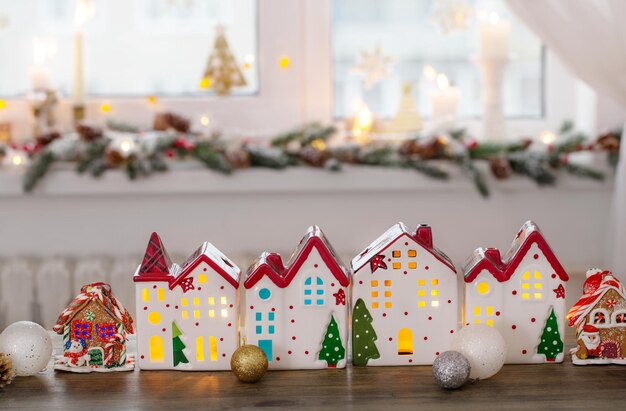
x,y
483,346
28,345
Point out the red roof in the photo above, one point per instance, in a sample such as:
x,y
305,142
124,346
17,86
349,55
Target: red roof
x,y
503,268
101,293
422,237
271,264
589,299
174,275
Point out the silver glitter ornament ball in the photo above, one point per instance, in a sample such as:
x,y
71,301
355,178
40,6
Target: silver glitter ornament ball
x,y
451,370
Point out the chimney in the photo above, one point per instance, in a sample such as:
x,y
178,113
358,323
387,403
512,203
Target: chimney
x,y
493,254
424,235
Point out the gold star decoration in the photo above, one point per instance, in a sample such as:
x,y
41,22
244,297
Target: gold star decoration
x,y
452,15
374,66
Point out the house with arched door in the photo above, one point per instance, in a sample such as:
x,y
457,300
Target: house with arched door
x,y
404,296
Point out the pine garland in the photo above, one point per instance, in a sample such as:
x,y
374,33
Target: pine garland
x,y
205,153
270,157
531,166
584,172
37,170
469,170
423,167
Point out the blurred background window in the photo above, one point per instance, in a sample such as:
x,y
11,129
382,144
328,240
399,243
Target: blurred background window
x,y
131,47
415,39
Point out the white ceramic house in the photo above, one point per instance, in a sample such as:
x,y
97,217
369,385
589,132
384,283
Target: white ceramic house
x,y
298,313
405,299
519,295
187,317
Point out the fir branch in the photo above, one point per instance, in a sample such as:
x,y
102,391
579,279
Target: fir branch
x,y
423,167
584,172
37,169
485,151
271,157
332,164
457,134
206,154
469,170
93,153
305,135
533,166
122,126
375,155
566,127
157,163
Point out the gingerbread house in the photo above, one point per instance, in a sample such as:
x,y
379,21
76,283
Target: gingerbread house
x,y
600,320
297,313
405,298
522,295
94,328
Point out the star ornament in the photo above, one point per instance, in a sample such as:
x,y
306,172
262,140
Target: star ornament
x,y
374,66
559,291
378,261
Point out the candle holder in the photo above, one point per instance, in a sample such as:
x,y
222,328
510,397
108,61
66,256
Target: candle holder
x,y
492,74
43,104
78,113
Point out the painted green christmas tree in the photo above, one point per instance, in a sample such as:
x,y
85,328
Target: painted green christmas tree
x,y
363,335
332,350
178,345
551,343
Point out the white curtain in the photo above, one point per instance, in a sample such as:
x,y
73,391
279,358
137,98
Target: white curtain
x,y
590,37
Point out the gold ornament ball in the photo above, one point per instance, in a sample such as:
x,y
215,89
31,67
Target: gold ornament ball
x,y
249,363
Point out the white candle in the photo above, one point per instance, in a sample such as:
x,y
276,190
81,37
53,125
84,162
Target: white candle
x,y
84,12
494,38
444,100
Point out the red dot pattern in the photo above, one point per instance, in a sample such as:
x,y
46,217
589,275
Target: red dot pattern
x,y
430,318
406,313
514,292
532,320
524,351
315,265
384,314
293,321
497,313
154,286
390,339
425,338
163,329
553,276
222,287
291,307
536,256
293,337
514,326
306,352
142,357
426,268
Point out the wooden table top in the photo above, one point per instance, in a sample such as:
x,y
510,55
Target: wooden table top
x,y
538,387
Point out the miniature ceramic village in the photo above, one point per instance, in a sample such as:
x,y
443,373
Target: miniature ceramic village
x,y
397,304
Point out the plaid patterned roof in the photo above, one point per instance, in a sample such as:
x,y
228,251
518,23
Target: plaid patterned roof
x,y
156,260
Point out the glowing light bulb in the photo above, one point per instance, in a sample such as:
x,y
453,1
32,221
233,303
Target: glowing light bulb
x,y
429,72
318,144
205,120
205,83
105,107
17,160
3,104
283,62
126,146
152,99
547,137
442,81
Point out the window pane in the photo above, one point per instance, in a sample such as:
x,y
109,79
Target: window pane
x,y
130,48
409,31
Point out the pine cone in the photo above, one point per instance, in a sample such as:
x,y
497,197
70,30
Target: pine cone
x,y
500,167
47,138
88,131
409,147
113,157
238,158
313,156
6,370
165,121
431,148
609,142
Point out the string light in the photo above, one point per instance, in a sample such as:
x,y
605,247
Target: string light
x,y
152,100
205,83
105,107
318,144
205,120
126,146
283,62
3,104
547,137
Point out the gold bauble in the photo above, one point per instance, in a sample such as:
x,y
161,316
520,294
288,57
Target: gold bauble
x,y
249,363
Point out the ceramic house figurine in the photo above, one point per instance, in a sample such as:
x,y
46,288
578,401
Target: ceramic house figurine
x,y
600,320
405,299
522,295
298,313
94,328
187,316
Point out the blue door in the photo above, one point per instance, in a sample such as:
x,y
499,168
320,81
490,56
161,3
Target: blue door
x,y
266,346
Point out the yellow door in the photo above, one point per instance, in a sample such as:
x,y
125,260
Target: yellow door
x,y
157,353
405,342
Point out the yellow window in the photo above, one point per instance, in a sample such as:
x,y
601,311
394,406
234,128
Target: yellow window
x,y
223,300
160,294
537,275
183,302
489,323
396,266
526,275
213,348
154,318
211,301
412,265
145,294
421,282
421,304
525,286
538,286
477,310
412,253
374,304
421,293
477,321
387,283
396,253
537,296
157,353
374,283
525,296
489,310
184,314
196,313
196,301
200,348
434,303
482,288
405,342
202,280
434,281
224,312
387,293
375,294
388,304
434,292
211,313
